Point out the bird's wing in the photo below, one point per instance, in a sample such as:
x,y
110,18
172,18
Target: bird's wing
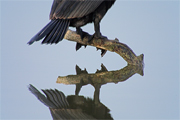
x,y
68,9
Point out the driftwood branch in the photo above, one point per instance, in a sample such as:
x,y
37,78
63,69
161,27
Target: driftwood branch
x,y
111,45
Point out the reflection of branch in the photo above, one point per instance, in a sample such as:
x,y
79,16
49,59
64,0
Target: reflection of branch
x,y
110,45
102,77
97,80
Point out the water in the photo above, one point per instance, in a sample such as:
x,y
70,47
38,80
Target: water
x,y
149,27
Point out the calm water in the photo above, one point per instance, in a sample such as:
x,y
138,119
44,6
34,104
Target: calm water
x,y
151,28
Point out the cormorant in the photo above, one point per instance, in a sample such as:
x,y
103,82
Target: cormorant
x,y
74,13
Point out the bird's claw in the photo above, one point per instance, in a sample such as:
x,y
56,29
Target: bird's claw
x,y
94,36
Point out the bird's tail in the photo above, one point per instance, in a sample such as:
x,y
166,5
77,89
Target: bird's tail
x,y
53,32
53,99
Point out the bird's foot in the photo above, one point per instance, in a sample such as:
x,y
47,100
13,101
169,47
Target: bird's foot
x,y
81,33
96,36
79,45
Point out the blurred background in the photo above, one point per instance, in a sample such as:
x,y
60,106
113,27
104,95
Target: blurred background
x,y
148,27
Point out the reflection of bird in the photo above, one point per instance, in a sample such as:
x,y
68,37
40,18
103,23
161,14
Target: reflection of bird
x,y
75,13
73,106
58,105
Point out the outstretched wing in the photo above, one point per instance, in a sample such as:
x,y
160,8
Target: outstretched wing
x,y
68,9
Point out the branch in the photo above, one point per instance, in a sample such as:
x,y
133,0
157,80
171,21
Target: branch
x,y
111,45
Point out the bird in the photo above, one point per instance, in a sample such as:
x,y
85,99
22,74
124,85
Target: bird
x,y
73,13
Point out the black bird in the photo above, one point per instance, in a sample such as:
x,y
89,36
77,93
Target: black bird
x,y
74,13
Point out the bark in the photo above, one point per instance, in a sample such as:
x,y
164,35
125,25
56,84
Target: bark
x,y
111,45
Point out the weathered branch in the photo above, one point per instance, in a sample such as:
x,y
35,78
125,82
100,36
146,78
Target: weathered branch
x,y
111,45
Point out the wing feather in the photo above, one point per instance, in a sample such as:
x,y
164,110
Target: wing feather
x,y
68,9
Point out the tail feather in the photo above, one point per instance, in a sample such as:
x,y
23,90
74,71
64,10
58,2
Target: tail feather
x,y
61,29
56,34
62,99
57,98
58,38
53,32
50,97
54,98
43,32
64,31
41,97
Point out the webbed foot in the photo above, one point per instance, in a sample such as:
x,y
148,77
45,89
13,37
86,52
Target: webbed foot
x,y
79,45
81,33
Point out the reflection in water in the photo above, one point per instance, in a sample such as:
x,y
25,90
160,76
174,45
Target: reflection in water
x,y
101,77
79,107
58,104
